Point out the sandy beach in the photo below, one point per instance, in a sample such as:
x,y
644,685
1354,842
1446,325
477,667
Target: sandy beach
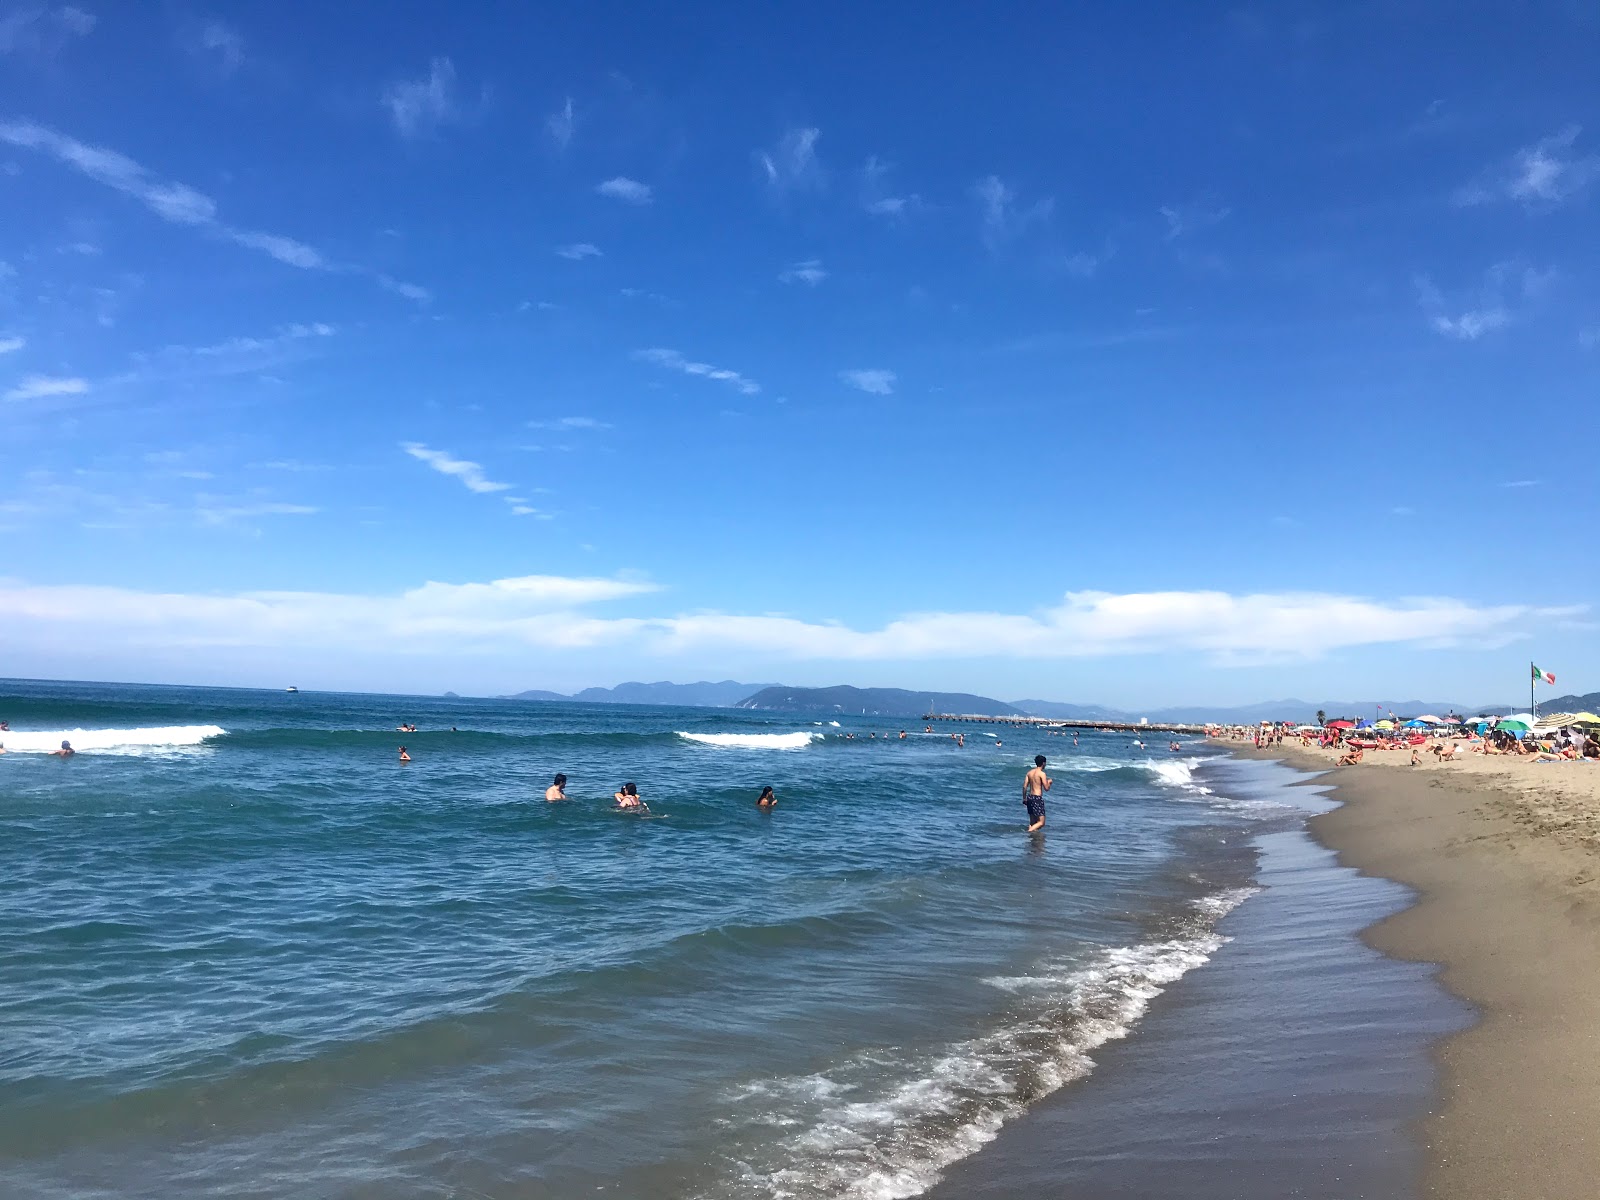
x,y
1504,855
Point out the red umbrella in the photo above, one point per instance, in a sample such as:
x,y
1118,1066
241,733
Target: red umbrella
x,y
1340,725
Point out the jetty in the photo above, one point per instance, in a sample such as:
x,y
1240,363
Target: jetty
x,y
1064,723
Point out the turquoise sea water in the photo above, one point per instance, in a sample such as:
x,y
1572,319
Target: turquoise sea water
x,y
278,962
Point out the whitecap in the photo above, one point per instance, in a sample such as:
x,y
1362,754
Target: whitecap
x,y
110,741
753,741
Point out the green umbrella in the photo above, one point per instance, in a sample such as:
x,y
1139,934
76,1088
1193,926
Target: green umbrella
x,y
1511,726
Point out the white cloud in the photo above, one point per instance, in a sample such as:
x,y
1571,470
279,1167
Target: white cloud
x,y
1541,176
875,193
874,380
792,164
220,45
211,511
469,473
561,125
579,251
545,612
1491,306
809,272
623,188
36,387
569,423
673,361
400,287
177,203
1521,483
10,345
41,29
421,106
1188,218
1002,218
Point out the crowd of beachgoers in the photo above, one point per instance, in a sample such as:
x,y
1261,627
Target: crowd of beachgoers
x,y
1553,738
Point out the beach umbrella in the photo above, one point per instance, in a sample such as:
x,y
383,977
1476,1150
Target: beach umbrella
x,y
1553,721
1340,724
1384,725
1512,725
1415,723
1430,719
1584,718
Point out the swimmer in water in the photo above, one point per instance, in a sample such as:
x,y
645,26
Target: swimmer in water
x,y
1034,785
998,743
627,796
66,750
557,790
766,800
1074,739
404,757
902,735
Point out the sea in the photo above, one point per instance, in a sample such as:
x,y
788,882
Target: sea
x,y
247,952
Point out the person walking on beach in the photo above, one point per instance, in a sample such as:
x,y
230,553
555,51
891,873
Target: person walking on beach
x,y
1034,785
557,790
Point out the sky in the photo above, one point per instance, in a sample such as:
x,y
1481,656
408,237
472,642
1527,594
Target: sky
x,y
1140,355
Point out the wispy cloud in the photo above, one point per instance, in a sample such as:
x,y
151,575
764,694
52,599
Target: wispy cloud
x,y
878,198
809,272
1521,483
1225,629
1541,176
673,361
561,125
873,380
43,29
1184,219
421,106
216,45
1471,314
792,164
569,423
629,190
37,387
177,203
217,511
579,251
1003,218
469,473
10,345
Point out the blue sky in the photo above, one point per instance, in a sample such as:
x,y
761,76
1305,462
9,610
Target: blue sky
x,y
1168,354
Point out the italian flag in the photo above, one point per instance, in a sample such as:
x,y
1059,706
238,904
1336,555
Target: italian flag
x,y
1544,675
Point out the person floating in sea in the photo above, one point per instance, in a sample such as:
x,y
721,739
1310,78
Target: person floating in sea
x,y
557,790
66,750
1034,785
627,796
767,800
902,735
5,726
1074,739
404,757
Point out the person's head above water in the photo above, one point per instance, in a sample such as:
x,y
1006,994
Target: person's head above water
x,y
765,792
66,745
561,781
629,789
1038,760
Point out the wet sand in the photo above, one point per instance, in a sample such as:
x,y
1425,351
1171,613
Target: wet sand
x,y
1505,856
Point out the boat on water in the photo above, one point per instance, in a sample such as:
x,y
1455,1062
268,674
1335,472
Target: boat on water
x,y
292,689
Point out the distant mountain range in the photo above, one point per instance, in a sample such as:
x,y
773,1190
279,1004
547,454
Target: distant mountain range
x,y
1571,704
1249,714
876,702
725,694
902,702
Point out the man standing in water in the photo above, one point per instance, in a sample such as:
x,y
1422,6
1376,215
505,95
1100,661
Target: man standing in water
x,y
1034,785
557,790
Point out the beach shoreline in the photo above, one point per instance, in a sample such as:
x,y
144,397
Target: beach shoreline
x,y
1504,858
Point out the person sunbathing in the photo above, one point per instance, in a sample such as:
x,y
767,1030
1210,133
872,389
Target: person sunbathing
x,y
1351,759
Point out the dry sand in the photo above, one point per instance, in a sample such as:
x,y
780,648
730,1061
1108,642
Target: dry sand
x,y
1505,854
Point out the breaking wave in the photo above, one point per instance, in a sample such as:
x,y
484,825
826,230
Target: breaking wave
x,y
110,741
753,741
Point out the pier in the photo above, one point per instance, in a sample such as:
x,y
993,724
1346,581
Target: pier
x,y
1064,723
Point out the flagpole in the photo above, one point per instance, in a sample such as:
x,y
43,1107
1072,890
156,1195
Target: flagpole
x,y
1533,699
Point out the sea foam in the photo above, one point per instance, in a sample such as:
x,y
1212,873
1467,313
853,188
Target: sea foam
x,y
754,741
109,741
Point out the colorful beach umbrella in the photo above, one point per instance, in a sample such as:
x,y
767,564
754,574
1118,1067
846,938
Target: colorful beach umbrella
x,y
1512,725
